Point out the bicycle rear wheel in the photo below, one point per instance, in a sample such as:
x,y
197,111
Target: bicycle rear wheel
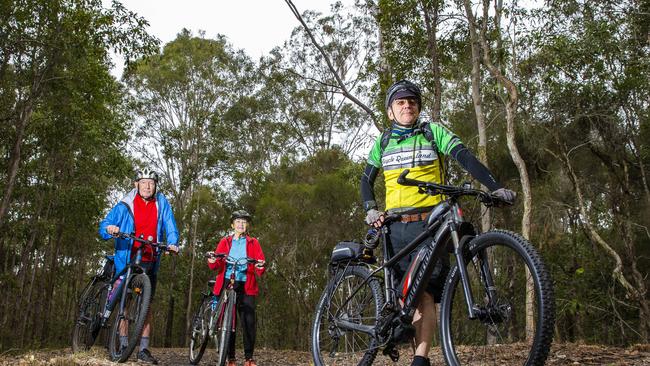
x,y
88,323
515,311
224,325
131,321
199,334
334,344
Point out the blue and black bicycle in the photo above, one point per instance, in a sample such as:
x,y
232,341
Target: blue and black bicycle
x,y
129,291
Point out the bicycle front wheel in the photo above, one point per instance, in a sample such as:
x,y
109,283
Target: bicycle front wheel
x,y
225,325
513,296
199,334
130,321
344,324
88,322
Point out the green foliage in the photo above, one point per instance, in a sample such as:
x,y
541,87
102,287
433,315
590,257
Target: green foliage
x,y
303,211
56,88
276,137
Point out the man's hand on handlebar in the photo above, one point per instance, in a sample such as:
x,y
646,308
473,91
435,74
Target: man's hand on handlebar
x,y
112,230
260,264
505,195
172,249
375,218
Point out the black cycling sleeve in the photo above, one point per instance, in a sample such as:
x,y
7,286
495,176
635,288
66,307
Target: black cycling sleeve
x,y
479,171
367,187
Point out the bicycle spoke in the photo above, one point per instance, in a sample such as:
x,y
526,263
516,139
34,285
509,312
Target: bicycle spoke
x,y
335,344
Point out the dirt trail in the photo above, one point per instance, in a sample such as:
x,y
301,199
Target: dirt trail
x,y
562,354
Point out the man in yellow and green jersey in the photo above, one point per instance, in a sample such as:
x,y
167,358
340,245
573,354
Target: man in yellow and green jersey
x,y
419,147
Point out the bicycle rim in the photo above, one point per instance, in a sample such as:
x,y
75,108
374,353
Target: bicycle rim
x,y
131,320
333,345
513,328
88,322
223,327
199,333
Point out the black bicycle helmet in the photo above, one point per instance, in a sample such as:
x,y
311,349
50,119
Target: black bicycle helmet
x,y
403,89
240,214
146,173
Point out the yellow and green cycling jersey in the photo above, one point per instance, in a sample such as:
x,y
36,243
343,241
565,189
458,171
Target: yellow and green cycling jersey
x,y
409,150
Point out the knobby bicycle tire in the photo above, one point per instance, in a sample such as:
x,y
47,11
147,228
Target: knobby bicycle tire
x,y
199,333
136,308
522,290
329,343
88,322
224,325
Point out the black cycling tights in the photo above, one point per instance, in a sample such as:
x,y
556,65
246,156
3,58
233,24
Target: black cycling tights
x,y
245,315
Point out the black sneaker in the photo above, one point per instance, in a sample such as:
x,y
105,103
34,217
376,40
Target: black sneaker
x,y
146,357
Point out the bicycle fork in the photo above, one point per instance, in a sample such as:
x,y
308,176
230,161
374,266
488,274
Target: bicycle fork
x,y
480,261
122,289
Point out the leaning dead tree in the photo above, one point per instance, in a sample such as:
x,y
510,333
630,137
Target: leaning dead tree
x,y
339,80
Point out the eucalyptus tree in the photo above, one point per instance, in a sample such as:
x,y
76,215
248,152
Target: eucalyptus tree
x,y
180,99
326,88
40,38
303,210
58,104
587,69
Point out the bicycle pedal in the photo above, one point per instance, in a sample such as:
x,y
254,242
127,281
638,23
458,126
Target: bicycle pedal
x,y
392,353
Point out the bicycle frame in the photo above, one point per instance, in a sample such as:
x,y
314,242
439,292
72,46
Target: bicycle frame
x,y
229,288
445,222
122,288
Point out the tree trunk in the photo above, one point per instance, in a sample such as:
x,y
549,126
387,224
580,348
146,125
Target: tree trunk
x,y
486,214
14,161
169,325
337,76
53,254
188,310
617,272
511,107
431,8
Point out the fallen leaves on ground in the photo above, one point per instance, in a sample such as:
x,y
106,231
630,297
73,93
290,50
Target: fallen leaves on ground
x,y
560,354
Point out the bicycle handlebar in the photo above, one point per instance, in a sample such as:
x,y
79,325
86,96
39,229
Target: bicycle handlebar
x,y
229,259
159,245
487,198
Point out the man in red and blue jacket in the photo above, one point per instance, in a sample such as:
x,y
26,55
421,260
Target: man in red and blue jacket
x,y
145,212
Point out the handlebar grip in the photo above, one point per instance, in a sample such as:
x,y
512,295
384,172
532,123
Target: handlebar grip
x,y
402,177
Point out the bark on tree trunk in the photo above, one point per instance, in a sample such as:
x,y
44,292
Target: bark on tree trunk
x,y
188,310
14,161
486,218
169,325
430,15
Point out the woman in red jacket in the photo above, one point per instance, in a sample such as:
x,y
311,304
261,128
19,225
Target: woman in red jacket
x,y
240,245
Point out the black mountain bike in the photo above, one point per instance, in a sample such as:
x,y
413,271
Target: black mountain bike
x,y
91,305
497,296
131,296
216,318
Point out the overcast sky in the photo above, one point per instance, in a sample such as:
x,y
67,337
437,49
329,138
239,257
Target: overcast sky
x,y
254,25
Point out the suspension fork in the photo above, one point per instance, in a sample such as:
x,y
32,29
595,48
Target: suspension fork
x,y
389,293
454,223
482,261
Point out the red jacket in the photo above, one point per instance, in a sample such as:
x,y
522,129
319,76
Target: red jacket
x,y
253,250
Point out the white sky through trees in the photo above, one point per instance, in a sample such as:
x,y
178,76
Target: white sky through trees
x,y
257,26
